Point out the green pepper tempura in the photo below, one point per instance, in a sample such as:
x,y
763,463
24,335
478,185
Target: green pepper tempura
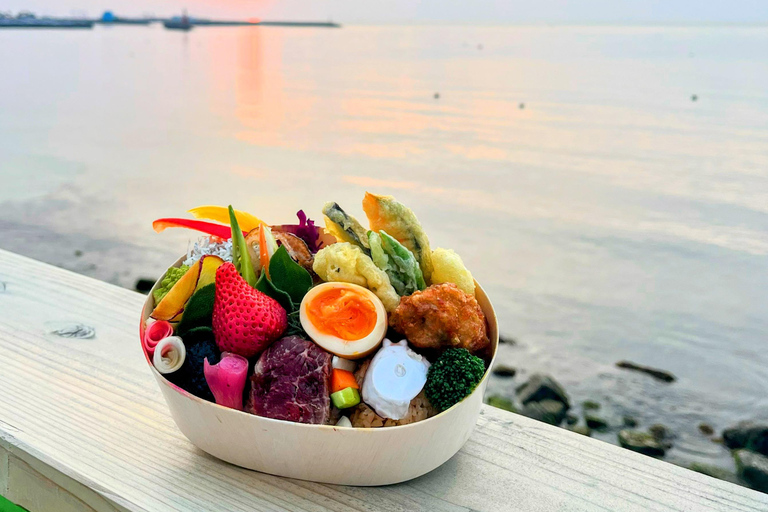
x,y
397,261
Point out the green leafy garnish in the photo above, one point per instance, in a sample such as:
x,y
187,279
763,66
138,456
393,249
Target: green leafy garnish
x,y
289,276
199,310
240,256
294,325
287,283
265,286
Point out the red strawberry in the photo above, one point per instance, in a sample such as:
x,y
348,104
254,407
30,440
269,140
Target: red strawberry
x,y
245,321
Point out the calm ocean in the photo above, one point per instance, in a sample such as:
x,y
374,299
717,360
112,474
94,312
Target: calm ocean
x,y
607,185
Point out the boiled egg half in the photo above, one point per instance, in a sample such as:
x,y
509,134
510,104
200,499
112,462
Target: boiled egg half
x,y
345,319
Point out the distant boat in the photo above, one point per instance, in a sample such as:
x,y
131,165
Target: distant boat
x,y
186,23
178,23
108,18
128,21
29,20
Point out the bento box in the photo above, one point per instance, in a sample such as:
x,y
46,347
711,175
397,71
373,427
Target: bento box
x,y
325,453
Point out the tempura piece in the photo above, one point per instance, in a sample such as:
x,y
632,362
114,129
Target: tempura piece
x,y
347,263
398,262
345,227
441,316
448,268
384,212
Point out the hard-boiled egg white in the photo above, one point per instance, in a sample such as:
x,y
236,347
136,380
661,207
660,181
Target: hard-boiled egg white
x,y
345,319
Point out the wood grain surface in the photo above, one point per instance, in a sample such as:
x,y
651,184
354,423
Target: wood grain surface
x,y
84,427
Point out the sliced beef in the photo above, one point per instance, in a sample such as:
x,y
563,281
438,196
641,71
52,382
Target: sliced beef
x,y
291,381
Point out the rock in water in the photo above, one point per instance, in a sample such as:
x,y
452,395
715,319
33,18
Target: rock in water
x,y
713,471
144,285
501,370
542,387
595,422
662,375
749,435
291,381
659,432
501,403
590,405
629,421
662,434
581,429
548,411
506,340
706,429
752,468
641,442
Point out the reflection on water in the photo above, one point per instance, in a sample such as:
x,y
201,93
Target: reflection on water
x,y
608,215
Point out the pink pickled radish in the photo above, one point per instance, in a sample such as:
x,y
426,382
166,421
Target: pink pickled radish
x,y
227,379
156,332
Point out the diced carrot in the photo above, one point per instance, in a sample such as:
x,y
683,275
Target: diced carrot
x,y
342,379
263,250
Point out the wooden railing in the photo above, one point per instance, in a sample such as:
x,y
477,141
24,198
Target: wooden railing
x,y
83,427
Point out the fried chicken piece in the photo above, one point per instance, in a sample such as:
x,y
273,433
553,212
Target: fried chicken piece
x,y
441,316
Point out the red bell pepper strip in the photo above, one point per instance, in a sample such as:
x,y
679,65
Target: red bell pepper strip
x,y
223,232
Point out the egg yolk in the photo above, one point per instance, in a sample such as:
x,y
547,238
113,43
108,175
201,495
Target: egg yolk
x,y
346,314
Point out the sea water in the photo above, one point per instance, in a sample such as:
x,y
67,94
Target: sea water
x,y
608,186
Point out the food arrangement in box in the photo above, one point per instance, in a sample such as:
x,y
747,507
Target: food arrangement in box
x,y
342,326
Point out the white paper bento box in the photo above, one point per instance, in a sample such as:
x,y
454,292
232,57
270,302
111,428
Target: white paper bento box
x,y
321,453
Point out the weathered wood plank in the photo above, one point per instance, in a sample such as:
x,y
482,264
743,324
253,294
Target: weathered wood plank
x,y
47,489
84,417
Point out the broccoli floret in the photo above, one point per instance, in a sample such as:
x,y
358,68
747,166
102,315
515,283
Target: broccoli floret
x,y
171,277
454,375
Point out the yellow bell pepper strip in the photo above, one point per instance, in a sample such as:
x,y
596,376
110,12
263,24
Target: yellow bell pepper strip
x,y
217,230
221,214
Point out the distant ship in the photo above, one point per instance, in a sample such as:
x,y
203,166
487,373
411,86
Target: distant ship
x,y
26,19
178,23
108,18
186,23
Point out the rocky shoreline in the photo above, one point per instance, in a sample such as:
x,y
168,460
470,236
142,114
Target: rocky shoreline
x,y
542,398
